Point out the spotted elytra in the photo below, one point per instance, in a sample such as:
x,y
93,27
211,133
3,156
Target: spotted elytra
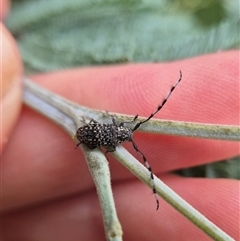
x,y
94,134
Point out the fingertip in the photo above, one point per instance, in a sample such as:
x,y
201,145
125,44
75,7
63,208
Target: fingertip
x,y
10,85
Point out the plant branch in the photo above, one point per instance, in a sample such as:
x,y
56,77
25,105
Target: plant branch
x,y
58,108
170,196
68,115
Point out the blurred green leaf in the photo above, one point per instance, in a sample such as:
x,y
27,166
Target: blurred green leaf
x,y
59,34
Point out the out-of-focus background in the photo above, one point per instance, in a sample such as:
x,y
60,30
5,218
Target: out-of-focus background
x,y
58,34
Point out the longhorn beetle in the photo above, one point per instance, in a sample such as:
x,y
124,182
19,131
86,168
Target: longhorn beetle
x,y
94,134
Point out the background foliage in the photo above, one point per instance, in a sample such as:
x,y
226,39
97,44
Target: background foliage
x,y
54,34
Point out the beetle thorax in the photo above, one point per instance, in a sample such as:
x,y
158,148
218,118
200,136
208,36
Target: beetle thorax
x,y
123,134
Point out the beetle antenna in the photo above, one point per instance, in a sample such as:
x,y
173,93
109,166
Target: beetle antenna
x,y
160,106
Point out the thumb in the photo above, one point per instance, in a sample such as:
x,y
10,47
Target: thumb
x,y
10,95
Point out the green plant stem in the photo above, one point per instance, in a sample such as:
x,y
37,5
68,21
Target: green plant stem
x,y
68,115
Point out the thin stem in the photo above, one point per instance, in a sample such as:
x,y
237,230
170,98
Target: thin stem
x,y
188,129
170,196
68,115
98,166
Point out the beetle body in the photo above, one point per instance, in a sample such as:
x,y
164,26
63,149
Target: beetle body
x,y
95,134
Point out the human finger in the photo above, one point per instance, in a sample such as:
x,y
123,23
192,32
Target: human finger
x,y
47,161
76,217
11,73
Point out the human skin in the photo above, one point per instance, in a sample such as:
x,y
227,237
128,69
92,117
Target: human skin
x,y
47,191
